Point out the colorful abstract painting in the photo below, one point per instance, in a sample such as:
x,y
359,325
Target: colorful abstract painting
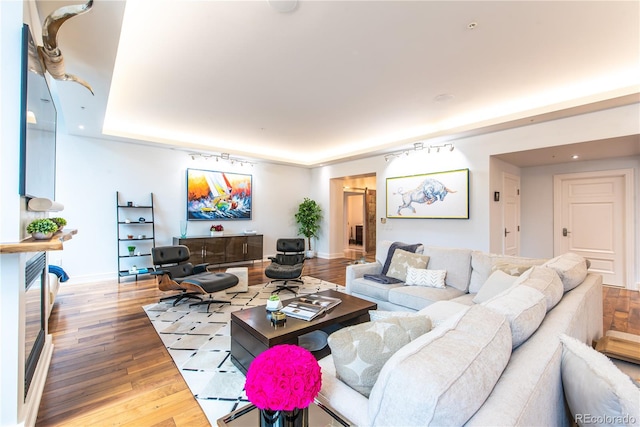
x,y
432,195
213,195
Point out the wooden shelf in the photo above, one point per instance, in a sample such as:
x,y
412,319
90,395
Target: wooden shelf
x,y
33,245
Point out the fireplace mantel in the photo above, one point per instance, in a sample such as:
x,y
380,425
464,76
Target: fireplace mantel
x,y
33,245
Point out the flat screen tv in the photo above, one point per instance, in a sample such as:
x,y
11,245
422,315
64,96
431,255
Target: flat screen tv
x,y
37,126
213,195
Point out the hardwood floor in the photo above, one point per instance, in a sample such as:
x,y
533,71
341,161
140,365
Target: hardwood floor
x,y
109,366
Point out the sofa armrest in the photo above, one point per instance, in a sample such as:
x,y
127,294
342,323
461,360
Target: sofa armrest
x,y
356,271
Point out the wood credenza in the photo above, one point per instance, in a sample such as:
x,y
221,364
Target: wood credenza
x,y
225,249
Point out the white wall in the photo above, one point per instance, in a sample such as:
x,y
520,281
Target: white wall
x,y
90,171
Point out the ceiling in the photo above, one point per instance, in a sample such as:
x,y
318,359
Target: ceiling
x,y
335,80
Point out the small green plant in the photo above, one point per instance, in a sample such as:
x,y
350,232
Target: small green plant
x,y
274,298
60,222
42,225
131,249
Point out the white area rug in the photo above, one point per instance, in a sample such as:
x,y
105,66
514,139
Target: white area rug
x,y
199,342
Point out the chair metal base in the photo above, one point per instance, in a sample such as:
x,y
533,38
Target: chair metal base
x,y
210,301
180,297
284,287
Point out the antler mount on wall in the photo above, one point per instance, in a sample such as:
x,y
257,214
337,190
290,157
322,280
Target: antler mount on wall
x,y
50,53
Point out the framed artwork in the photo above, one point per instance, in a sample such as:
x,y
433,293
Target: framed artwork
x,y
213,195
431,195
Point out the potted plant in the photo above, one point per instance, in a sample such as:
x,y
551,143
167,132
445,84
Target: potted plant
x,y
60,222
42,228
131,249
308,219
216,230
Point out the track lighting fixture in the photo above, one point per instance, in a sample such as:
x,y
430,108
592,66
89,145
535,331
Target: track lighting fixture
x,y
417,146
221,156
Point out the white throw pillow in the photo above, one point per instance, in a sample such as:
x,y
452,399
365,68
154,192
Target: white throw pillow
x,y
546,280
423,277
572,269
499,281
596,388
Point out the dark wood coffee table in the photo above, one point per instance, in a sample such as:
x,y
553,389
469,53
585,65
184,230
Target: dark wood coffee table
x,y
252,331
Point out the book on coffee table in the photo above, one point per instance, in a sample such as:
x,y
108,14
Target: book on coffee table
x,y
310,306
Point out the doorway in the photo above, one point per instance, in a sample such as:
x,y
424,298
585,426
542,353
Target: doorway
x,y
511,214
593,217
358,225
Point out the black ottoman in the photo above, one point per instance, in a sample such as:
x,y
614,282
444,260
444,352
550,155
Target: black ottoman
x,y
210,283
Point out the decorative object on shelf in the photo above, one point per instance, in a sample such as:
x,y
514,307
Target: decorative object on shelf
x,y
133,270
130,204
216,230
431,195
129,236
273,303
42,228
42,204
183,228
282,382
127,221
250,232
60,222
308,218
131,250
142,236
141,219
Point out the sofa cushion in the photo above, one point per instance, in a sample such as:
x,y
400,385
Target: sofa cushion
x,y
386,262
498,281
383,314
512,269
572,269
373,289
424,277
440,311
546,281
482,264
594,387
418,297
360,351
524,308
457,364
402,260
456,262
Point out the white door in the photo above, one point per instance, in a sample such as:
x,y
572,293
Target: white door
x,y
511,214
592,219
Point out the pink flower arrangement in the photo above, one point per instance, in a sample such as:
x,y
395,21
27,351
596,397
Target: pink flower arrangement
x,y
283,378
217,227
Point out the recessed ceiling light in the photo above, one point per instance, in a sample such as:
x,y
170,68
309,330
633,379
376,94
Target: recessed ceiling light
x,y
472,25
575,156
444,97
283,6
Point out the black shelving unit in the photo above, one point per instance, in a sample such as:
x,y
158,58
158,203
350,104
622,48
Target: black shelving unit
x,y
136,227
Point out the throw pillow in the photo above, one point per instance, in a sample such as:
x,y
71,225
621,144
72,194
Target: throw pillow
x,y
524,308
512,269
423,277
594,387
402,260
392,249
498,281
359,352
572,269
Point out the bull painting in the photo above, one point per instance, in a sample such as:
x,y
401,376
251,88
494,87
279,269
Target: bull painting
x,y
431,195
429,191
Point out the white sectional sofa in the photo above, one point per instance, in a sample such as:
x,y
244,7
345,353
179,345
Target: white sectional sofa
x,y
494,363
